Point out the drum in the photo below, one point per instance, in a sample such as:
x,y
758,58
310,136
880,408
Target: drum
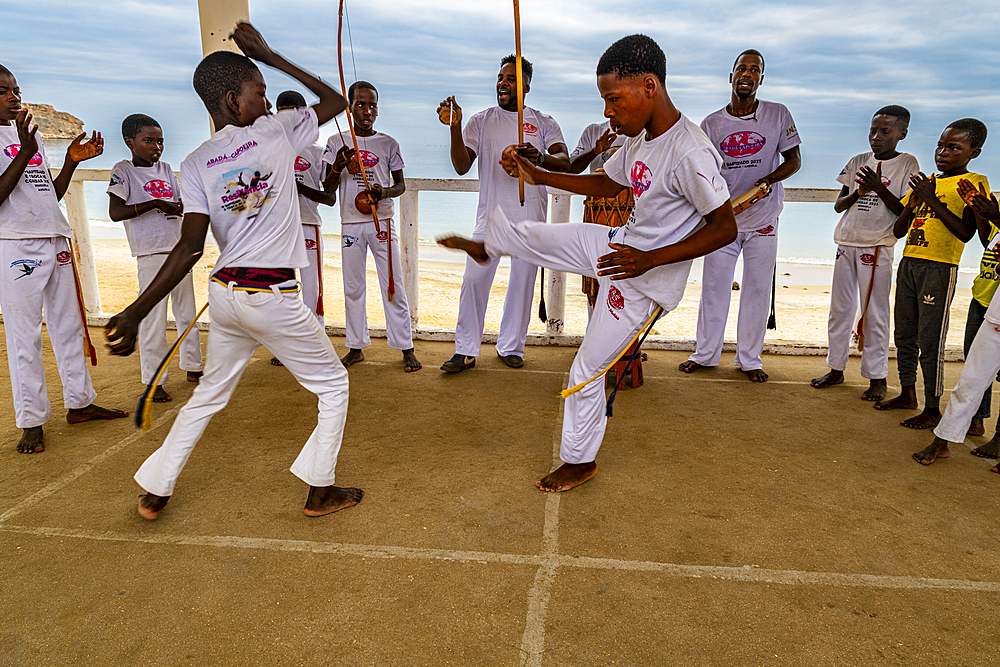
x,y
610,212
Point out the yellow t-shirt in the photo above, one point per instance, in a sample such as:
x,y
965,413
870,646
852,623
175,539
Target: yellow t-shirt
x,y
928,238
985,284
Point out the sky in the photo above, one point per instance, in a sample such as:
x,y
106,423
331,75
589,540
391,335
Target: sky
x,y
832,63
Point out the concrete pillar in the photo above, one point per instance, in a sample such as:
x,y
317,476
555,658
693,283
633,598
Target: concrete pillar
x,y
556,302
218,18
83,247
409,249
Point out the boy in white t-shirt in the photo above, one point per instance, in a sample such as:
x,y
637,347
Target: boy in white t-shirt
x,y
873,183
36,273
682,211
242,182
145,197
383,162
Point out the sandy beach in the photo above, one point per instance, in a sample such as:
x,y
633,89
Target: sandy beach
x,y
802,298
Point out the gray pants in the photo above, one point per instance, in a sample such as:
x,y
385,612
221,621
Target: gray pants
x,y
977,314
924,290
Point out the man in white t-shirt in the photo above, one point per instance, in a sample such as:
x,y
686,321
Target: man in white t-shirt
x,y
143,194
682,211
596,146
383,165
486,136
873,183
242,182
36,273
759,144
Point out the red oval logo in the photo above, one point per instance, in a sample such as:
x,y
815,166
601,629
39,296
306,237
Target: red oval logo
x,y
12,151
302,164
740,144
310,244
641,178
63,258
368,159
529,128
159,189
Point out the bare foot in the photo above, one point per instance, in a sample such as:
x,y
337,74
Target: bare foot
x,y
31,441
995,468
991,450
907,400
195,376
936,450
352,357
275,362
410,362
78,415
976,427
828,380
690,366
474,249
150,505
929,418
160,395
566,476
756,375
328,499
877,389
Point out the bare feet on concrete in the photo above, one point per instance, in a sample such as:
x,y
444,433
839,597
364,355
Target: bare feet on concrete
x,y
324,500
151,505
934,451
877,389
352,357
756,375
929,418
690,366
410,362
31,441
566,476
907,400
195,376
991,450
828,380
78,415
473,249
976,427
160,395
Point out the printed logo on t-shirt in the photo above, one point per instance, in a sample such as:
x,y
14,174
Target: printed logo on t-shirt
x,y
12,151
310,244
63,258
916,236
302,164
616,301
741,144
868,259
158,189
229,157
641,178
530,129
117,180
25,266
714,181
368,159
245,189
766,231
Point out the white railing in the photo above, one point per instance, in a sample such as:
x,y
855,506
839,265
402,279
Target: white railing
x,y
409,225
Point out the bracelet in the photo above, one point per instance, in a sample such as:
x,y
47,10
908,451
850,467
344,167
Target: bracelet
x,y
335,171
541,158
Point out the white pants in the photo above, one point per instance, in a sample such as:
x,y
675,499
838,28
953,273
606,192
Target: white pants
x,y
475,296
36,275
241,322
853,271
356,239
760,250
312,275
153,328
981,366
620,312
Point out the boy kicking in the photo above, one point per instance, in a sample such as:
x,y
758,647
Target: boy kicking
x,y
383,165
242,182
869,200
682,211
36,273
937,224
144,196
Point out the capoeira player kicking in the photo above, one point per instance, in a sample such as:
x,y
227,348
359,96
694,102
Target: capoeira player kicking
x,y
252,293
682,211
759,145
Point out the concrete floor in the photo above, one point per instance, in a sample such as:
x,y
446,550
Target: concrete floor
x,y
729,524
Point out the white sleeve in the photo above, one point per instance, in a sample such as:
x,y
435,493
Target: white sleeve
x,y
847,176
330,152
301,127
395,157
789,133
615,168
195,199
175,185
587,141
118,186
553,133
698,178
471,133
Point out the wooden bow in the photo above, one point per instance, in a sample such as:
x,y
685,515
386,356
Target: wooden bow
x,y
520,94
391,287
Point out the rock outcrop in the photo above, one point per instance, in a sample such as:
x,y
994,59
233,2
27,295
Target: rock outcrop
x,y
54,124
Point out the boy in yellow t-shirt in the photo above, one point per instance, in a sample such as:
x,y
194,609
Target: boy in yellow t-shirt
x,y
937,224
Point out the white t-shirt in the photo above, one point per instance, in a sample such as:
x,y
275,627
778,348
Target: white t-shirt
x,y
380,156
589,137
243,178
309,172
31,211
868,222
676,180
751,148
487,134
153,231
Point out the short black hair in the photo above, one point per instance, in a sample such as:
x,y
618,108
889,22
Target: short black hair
x,y
634,55
526,68
360,84
220,72
751,52
132,124
6,72
901,114
290,98
974,129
